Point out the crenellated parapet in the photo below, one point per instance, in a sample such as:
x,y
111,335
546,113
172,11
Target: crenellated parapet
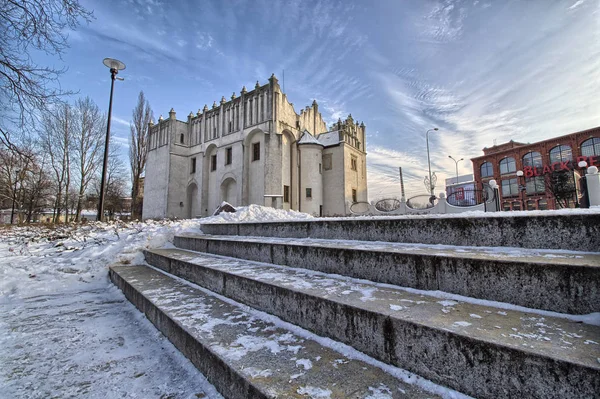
x,y
351,132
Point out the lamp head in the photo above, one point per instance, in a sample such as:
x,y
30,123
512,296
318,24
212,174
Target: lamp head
x,y
435,128
114,64
519,173
582,164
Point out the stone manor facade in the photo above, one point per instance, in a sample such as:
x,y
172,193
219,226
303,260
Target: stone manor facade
x,y
254,149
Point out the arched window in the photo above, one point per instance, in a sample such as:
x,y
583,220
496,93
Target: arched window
x,y
533,159
508,165
181,138
487,169
591,147
561,153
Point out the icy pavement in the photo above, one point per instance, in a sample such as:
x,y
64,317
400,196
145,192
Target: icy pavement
x,y
66,331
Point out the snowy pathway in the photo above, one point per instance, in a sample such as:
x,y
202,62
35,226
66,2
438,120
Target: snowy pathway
x,y
66,331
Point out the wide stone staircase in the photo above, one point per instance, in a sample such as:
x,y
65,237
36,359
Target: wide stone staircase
x,y
497,307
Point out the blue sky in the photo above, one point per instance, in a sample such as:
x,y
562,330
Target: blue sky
x,y
480,71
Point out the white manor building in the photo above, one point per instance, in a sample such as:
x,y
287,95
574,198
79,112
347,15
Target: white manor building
x,y
254,149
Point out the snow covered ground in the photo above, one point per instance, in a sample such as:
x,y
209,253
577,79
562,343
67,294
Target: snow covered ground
x,y
66,331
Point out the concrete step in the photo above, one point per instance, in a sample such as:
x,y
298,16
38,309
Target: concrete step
x,y
246,356
542,279
574,231
478,350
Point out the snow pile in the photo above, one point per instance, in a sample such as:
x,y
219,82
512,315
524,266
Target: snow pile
x,y
257,213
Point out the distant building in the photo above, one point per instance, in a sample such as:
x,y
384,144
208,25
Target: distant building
x,y
254,149
537,161
460,190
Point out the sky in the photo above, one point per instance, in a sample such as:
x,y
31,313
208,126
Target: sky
x,y
482,72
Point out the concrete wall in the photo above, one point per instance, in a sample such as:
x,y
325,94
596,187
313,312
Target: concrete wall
x,y
578,232
310,159
155,188
256,169
334,199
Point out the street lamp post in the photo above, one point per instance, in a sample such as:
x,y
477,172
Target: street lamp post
x,y
456,164
522,189
115,66
431,187
12,212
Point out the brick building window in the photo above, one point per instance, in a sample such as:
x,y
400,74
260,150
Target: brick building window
x,y
508,165
535,185
286,194
561,153
533,159
193,166
510,188
213,163
256,152
228,155
487,169
591,147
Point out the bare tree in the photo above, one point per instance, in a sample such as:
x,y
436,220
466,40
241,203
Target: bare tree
x,y
562,186
88,141
28,26
57,140
116,181
138,150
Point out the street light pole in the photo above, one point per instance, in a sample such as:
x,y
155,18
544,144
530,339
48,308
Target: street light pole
x,y
522,188
12,212
429,161
115,66
456,164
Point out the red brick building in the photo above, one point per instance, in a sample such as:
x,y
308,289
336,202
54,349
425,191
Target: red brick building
x,y
536,160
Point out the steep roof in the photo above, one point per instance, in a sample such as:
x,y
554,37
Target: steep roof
x,y
308,138
330,138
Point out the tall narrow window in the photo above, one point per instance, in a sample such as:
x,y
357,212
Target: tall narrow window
x,y
354,199
256,151
353,163
230,126
286,194
487,169
250,112
213,163
510,188
262,107
591,147
320,169
561,153
228,155
508,165
181,138
193,166
327,164
308,192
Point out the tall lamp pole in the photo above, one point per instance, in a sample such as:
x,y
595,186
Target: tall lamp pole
x,y
429,160
456,164
522,188
115,66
